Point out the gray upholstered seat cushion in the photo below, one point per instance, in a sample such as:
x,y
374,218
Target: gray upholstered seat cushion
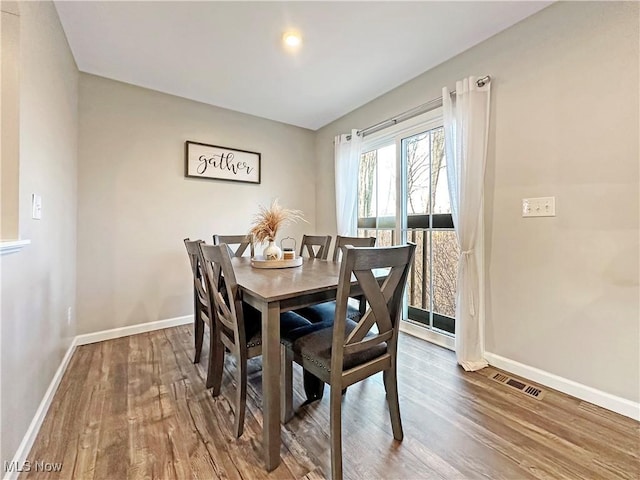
x,y
291,335
316,347
289,321
324,312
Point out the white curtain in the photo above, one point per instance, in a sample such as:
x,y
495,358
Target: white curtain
x,y
347,158
466,125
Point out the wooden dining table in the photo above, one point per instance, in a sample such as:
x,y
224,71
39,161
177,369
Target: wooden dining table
x,y
273,291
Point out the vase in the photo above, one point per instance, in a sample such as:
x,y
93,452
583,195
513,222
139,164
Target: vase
x,y
272,251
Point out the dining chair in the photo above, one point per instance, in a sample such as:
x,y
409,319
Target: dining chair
x,y
348,352
242,242
316,246
353,241
201,311
324,312
238,324
337,255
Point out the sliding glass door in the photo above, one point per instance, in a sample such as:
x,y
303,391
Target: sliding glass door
x,y
403,196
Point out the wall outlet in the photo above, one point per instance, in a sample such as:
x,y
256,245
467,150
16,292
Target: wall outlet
x,y
69,316
539,207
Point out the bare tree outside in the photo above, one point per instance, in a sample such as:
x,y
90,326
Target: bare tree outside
x,y
418,155
366,184
445,270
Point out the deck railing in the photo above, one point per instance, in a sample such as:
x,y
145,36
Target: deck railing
x,y
432,281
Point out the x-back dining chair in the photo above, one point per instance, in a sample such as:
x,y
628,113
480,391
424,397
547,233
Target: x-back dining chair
x,y
238,324
201,311
353,241
324,312
316,246
240,241
349,352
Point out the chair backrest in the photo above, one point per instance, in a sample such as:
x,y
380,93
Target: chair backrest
x,y
384,299
223,295
316,246
193,250
242,242
353,241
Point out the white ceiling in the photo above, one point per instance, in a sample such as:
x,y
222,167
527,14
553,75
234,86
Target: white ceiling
x,y
229,54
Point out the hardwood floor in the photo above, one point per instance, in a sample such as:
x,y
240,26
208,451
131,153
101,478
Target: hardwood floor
x,y
137,407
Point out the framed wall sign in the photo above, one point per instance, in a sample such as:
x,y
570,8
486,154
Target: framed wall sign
x,y
221,163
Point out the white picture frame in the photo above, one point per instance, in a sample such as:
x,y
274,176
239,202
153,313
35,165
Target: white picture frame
x,y
221,163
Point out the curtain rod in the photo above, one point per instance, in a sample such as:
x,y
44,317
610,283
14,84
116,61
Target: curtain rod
x,y
414,112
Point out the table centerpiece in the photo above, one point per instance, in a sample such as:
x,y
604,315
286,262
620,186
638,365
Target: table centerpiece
x,y
266,224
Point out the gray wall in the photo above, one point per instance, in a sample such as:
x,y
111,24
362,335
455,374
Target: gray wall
x,y
136,206
562,293
38,283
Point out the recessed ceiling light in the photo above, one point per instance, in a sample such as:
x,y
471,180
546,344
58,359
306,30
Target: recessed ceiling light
x,y
292,39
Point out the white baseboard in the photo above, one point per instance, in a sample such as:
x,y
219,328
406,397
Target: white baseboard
x,y
606,400
103,335
32,432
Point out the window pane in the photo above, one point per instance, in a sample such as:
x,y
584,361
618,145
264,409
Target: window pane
x,y
367,185
367,233
377,194
419,280
417,153
384,238
387,181
445,269
439,185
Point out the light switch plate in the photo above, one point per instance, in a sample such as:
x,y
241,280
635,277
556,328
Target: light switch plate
x,y
36,206
539,207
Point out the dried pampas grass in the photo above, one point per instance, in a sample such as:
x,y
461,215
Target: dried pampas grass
x,y
267,222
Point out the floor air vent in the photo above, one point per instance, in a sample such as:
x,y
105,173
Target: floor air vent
x,y
525,388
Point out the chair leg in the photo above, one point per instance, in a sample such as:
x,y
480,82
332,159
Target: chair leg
x,y
391,386
216,361
241,392
286,384
313,386
336,433
198,330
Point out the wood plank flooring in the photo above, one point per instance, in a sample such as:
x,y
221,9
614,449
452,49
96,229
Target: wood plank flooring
x,y
137,407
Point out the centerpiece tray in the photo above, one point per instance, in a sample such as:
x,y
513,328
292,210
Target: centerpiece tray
x,y
259,262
